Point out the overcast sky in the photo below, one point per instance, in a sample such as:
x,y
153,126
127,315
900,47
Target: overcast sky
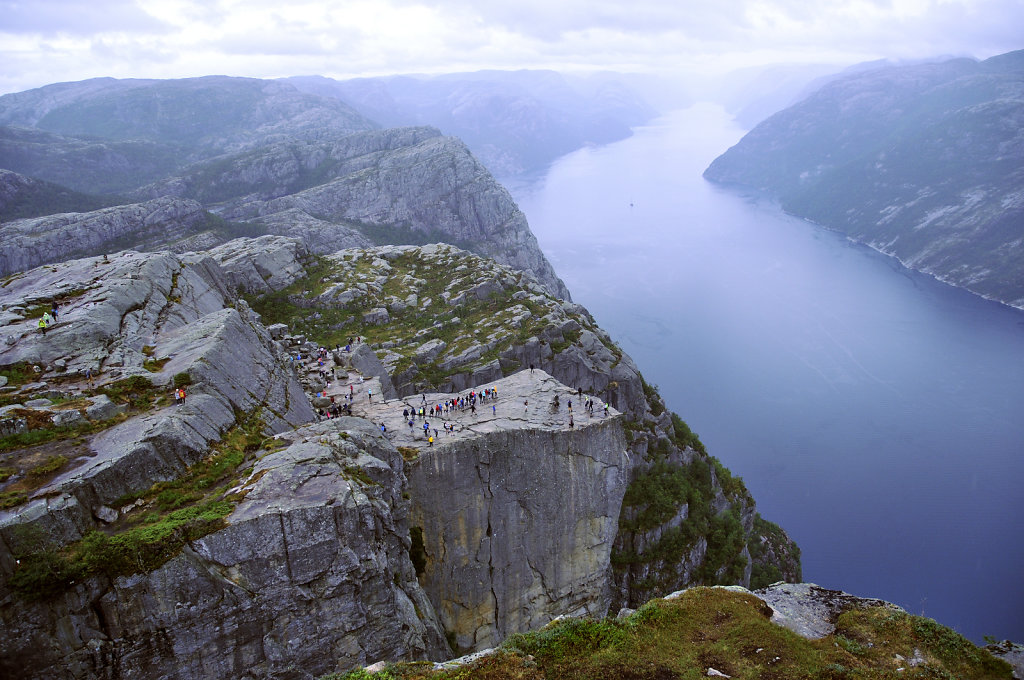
x,y
47,41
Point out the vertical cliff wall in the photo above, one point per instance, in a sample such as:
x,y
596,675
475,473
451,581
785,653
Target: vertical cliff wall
x,y
518,513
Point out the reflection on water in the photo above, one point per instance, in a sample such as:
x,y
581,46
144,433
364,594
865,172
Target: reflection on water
x,y
874,413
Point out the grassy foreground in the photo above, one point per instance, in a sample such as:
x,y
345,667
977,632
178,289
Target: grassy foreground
x,y
729,632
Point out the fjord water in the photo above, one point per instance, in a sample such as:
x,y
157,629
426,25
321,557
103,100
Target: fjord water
x,y
873,412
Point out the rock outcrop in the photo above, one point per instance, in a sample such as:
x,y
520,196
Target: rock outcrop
x,y
160,538
54,238
310,575
251,151
811,611
516,508
444,320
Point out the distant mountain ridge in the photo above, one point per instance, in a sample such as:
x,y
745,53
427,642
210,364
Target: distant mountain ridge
x,y
923,162
259,153
513,121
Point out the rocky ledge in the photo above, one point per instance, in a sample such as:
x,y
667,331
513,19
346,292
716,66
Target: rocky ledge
x,y
516,501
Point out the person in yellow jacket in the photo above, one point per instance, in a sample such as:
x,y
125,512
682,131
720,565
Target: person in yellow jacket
x,y
42,326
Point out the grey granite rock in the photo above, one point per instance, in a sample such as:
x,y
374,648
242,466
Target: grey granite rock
x,y
263,264
102,408
1010,652
810,610
365,360
517,510
311,575
68,418
33,241
376,316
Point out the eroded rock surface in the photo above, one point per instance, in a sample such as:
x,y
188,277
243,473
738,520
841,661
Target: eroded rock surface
x,y
311,575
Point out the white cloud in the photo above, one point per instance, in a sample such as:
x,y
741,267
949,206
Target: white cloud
x,y
51,17
45,41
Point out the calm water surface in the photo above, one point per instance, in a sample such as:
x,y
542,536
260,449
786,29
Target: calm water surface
x,y
874,413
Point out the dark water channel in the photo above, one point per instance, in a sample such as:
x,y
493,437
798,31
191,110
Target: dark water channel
x,y
874,413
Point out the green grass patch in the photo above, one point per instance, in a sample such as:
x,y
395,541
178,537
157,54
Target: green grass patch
x,y
155,365
684,437
12,499
409,453
47,467
19,374
706,628
654,497
174,513
137,391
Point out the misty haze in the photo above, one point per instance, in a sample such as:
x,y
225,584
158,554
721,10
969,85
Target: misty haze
x,y
442,339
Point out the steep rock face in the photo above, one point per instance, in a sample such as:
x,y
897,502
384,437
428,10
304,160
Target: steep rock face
x,y
165,317
310,575
923,162
517,511
444,320
33,241
420,185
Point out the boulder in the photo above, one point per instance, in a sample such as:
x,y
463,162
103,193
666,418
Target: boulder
x,y
429,350
105,514
277,330
376,316
12,425
103,408
68,418
811,611
364,360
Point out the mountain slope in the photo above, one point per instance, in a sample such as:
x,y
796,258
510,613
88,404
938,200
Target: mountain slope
x,y
23,197
259,152
201,115
922,162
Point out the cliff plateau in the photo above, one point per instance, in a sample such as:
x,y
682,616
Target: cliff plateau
x,y
232,535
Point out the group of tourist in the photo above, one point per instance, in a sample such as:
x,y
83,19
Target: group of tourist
x,y
460,403
48,318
